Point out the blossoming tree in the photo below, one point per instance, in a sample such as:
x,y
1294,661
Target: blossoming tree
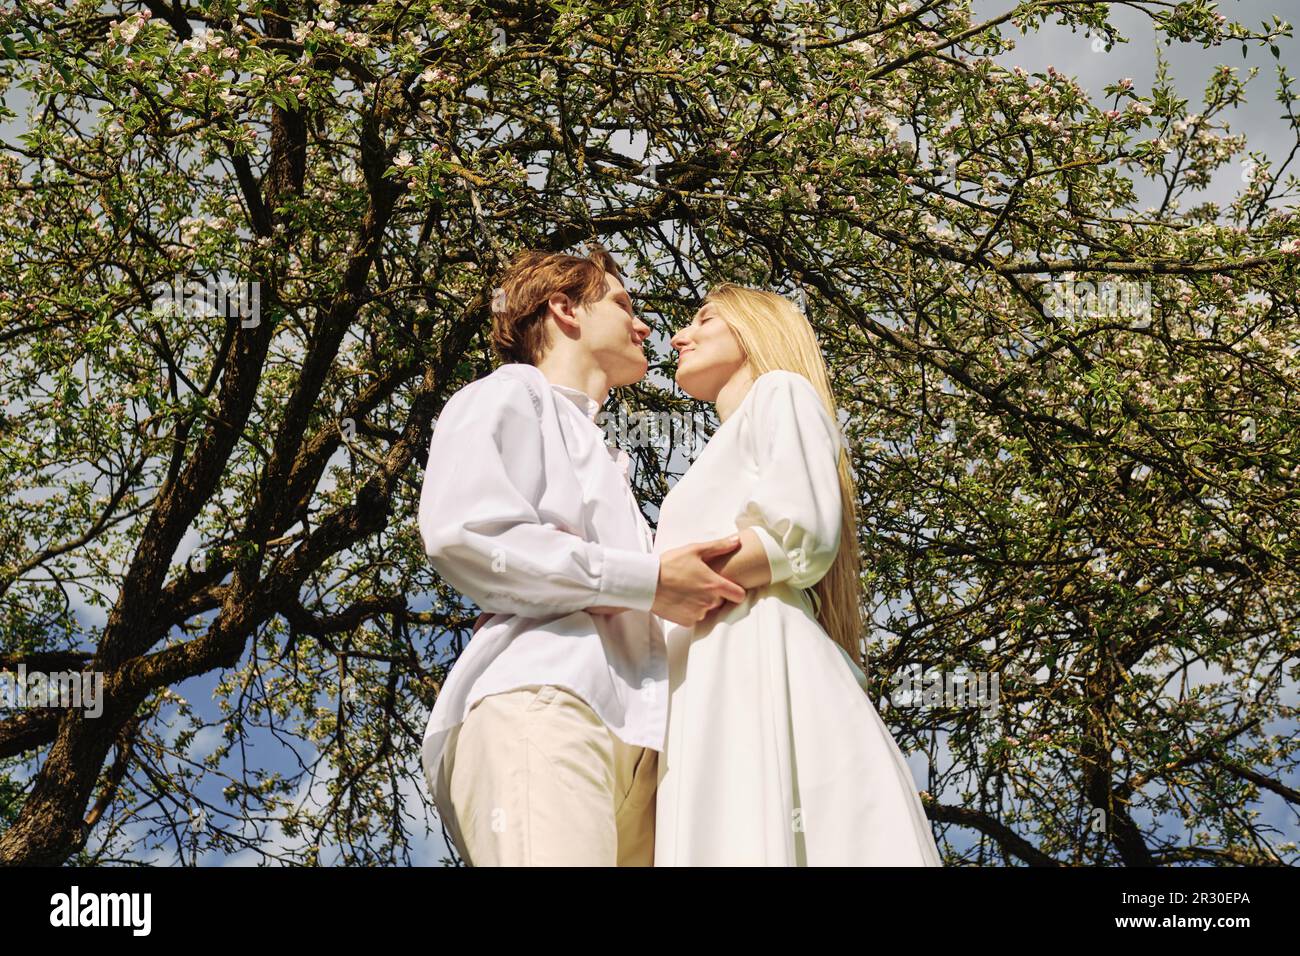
x,y
249,249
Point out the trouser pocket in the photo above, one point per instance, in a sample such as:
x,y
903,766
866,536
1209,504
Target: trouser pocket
x,y
645,778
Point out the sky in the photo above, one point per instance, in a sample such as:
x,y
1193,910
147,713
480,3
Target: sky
x,y
1085,58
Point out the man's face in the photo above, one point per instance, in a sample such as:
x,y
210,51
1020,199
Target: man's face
x,y
614,334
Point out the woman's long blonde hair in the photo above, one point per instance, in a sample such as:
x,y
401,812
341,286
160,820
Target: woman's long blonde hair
x,y
775,335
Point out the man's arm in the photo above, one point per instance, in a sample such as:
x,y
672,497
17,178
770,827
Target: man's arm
x,y
748,566
482,533
484,536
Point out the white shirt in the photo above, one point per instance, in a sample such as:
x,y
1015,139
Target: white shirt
x,y
528,512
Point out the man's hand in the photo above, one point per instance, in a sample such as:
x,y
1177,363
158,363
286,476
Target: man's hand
x,y
688,588
748,566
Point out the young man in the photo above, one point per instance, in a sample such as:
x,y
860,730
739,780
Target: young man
x,y
542,746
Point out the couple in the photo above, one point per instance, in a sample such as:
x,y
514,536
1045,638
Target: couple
x,y
689,698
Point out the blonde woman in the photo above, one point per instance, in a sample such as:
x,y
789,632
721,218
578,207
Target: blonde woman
x,y
774,753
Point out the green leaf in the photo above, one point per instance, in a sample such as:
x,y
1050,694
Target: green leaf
x,y
10,50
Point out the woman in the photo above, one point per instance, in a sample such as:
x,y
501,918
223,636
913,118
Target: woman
x,y
774,753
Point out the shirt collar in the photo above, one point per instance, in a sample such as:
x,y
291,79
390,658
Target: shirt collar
x,y
592,408
588,405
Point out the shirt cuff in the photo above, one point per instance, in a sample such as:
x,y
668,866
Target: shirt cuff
x,y
629,579
777,559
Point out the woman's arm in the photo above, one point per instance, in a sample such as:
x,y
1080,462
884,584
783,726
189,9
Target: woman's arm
x,y
795,505
748,565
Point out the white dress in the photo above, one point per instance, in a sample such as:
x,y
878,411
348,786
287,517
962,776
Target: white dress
x,y
775,755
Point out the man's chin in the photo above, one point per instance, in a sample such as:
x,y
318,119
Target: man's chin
x,y
632,374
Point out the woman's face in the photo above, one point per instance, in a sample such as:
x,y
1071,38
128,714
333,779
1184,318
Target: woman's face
x,y
708,354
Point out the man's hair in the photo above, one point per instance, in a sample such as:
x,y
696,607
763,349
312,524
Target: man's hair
x,y
520,300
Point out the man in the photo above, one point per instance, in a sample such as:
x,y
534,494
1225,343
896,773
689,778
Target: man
x,y
542,746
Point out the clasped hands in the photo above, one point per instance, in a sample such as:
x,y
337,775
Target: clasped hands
x,y
700,582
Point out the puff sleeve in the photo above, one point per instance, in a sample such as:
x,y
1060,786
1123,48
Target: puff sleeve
x,y
794,507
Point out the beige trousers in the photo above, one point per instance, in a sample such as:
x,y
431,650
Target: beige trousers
x,y
535,778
